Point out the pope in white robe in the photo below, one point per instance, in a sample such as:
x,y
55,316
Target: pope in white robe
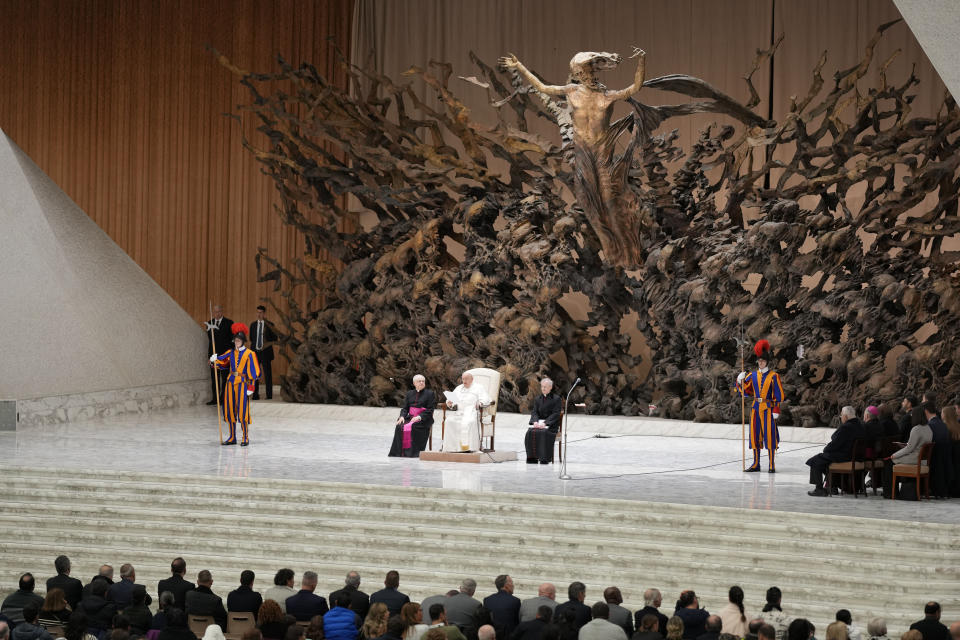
x,y
462,432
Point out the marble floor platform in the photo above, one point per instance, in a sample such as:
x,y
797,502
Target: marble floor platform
x,y
623,458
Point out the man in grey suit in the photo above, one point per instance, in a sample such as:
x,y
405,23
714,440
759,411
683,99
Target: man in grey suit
x,y
599,628
462,607
618,615
546,597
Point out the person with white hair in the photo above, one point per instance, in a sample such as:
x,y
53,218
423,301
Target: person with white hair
x,y
462,433
839,449
415,422
545,422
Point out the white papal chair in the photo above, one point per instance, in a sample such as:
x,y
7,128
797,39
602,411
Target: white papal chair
x,y
489,379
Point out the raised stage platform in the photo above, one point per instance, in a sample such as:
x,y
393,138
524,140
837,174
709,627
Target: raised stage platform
x,y
651,503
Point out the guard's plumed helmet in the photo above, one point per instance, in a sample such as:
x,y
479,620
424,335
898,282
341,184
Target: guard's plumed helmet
x,y
239,330
762,350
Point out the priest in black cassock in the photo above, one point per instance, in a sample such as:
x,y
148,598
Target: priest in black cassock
x,y
415,421
547,410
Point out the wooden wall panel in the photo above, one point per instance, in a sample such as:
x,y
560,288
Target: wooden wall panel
x,y
122,105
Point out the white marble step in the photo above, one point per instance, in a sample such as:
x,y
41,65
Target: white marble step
x,y
436,536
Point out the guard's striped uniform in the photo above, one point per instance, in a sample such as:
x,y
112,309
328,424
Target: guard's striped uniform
x,y
244,371
767,395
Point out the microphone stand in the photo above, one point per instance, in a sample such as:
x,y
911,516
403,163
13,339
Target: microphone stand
x,y
566,423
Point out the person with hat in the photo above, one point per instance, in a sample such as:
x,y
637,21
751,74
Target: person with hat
x,y
764,385
244,372
262,337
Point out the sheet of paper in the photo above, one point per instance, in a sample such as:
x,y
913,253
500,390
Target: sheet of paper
x,y
452,396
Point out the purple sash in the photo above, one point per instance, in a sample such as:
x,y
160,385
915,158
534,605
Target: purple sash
x,y
408,426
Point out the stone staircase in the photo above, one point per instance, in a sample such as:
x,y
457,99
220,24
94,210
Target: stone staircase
x,y
435,537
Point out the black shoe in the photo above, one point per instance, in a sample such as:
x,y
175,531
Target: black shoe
x,y
229,442
771,470
751,469
244,444
818,492
532,461
212,402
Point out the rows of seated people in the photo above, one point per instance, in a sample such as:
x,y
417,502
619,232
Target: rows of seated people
x,y
887,441
107,610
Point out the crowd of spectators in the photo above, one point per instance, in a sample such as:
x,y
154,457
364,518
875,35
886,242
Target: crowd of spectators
x,y
108,610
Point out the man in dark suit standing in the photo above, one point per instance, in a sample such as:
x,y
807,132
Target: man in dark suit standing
x,y
930,626
262,338
202,601
359,601
503,606
175,584
390,594
652,599
72,588
244,599
577,591
305,603
222,342
839,449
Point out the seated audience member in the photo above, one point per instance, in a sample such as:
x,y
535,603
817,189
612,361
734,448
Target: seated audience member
x,y
121,593
244,599
14,603
713,626
395,627
119,626
412,616
167,600
213,632
375,625
533,629
619,615
843,615
438,622
773,614
949,416
600,627
930,626
504,606
281,590
648,629
871,423
390,595
202,601
415,422
272,622
753,629
305,604
76,628
340,623
800,629
565,625
99,612
906,420
486,632
30,628
545,418
766,632
176,584
837,631
315,628
546,597
105,574
176,628
888,426
733,617
675,628
652,599
359,601
138,613
877,629
55,610
839,449
72,588
694,618
909,454
576,592
483,617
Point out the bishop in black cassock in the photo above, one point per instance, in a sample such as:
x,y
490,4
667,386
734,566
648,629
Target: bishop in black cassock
x,y
417,411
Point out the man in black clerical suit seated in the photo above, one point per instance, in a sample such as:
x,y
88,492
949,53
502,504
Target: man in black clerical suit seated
x,y
547,409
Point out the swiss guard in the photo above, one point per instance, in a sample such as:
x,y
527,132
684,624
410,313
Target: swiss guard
x,y
764,386
244,371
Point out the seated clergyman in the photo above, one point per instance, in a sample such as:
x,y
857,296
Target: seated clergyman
x,y
462,432
416,419
547,410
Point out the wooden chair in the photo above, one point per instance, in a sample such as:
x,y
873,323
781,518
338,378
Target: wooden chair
x,y
918,472
238,623
490,380
199,624
856,468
